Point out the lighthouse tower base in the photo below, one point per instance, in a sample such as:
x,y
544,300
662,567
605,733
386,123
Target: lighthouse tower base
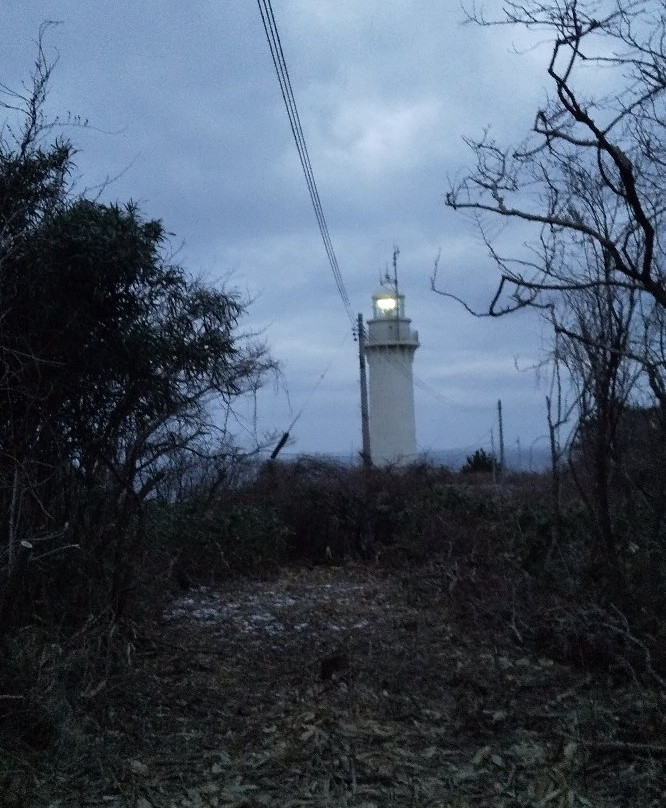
x,y
391,394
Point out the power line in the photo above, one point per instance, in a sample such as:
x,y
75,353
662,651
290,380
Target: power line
x,y
315,387
280,64
416,380
428,388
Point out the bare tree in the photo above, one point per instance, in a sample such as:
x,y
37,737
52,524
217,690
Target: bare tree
x,y
589,183
593,168
592,344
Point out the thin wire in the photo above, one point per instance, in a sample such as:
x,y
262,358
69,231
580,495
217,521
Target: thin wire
x,y
418,382
311,394
317,384
280,64
427,388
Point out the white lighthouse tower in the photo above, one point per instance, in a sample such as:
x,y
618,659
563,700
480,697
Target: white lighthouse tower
x,y
389,349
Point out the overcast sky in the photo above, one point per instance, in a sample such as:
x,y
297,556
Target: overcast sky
x,y
186,112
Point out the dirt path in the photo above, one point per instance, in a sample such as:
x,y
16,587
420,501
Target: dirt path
x,y
227,707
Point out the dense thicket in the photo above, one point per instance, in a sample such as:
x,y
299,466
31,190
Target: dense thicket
x,y
115,365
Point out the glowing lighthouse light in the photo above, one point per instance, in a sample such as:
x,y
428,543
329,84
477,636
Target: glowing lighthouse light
x,y
386,304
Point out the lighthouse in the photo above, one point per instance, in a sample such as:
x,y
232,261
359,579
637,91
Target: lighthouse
x,y
389,348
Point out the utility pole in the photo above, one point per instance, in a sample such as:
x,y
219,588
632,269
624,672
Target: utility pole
x,y
501,438
365,419
282,442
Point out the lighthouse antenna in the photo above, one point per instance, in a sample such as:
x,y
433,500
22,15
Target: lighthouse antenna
x,y
396,253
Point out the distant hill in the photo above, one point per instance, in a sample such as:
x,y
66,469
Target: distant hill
x,y
535,459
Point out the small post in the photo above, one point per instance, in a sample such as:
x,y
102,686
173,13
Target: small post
x,y
501,438
365,419
282,442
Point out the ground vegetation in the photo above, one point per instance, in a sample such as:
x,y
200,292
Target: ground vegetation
x,y
332,636
480,460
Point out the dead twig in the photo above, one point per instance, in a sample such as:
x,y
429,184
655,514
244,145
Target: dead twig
x,y
618,746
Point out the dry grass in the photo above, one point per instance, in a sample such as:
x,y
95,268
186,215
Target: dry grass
x,y
223,705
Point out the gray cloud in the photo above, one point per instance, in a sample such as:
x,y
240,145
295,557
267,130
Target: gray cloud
x,y
186,109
